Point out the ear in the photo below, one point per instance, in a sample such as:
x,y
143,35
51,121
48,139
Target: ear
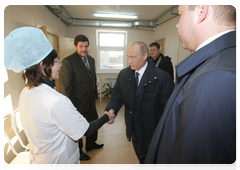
x,y
202,12
145,56
75,47
41,65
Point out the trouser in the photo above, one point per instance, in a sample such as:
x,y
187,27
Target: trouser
x,y
140,152
91,115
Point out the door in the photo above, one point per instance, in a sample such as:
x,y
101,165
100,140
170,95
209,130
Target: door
x,y
66,48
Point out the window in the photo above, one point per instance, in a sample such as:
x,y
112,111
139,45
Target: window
x,y
111,51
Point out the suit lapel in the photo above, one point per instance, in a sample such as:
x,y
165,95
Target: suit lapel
x,y
130,79
82,65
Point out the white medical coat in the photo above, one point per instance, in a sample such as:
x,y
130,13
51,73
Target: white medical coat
x,y
52,125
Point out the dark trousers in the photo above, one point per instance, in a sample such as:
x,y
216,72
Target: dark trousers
x,y
140,152
91,115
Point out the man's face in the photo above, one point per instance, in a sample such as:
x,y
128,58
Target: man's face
x,y
82,48
154,52
135,58
186,27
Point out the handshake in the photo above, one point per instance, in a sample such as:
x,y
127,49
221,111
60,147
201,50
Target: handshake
x,y
111,115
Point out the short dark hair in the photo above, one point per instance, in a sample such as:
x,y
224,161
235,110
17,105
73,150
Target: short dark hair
x,y
81,38
155,44
33,76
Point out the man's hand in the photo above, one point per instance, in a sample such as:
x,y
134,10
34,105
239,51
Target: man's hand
x,y
111,115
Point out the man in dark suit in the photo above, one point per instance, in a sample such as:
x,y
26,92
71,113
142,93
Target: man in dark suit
x,y
78,83
198,125
144,97
159,60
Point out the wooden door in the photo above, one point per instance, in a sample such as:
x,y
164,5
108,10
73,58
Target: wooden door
x,y
66,48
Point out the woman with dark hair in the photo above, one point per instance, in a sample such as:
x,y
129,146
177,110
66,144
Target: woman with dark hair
x,y
51,122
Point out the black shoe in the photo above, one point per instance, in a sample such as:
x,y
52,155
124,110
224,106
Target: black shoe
x,y
137,166
84,157
95,146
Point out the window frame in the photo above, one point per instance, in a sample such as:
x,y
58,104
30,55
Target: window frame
x,y
111,48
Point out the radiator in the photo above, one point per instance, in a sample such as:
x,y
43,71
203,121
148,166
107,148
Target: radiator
x,y
111,80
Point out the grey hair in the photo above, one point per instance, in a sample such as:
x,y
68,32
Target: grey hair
x,y
143,46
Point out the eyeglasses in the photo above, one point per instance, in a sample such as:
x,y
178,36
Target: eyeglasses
x,y
57,61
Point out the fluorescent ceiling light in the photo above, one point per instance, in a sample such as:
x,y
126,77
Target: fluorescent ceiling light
x,y
115,16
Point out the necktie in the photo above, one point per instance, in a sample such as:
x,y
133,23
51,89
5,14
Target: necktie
x,y
86,64
137,74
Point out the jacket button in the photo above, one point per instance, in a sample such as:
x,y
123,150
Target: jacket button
x,y
155,77
130,111
149,81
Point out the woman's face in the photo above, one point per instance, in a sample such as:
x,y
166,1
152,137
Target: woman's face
x,y
56,69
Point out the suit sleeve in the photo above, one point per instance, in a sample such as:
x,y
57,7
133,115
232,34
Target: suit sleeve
x,y
166,91
116,100
66,78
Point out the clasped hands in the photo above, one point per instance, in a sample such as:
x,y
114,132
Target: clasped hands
x,y
111,115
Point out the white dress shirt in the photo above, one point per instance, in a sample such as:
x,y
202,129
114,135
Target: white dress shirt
x,y
141,72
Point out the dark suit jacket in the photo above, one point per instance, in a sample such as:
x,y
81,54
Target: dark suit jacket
x,y
152,98
198,125
76,82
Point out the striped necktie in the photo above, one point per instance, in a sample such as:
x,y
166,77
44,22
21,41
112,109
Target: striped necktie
x,y
87,65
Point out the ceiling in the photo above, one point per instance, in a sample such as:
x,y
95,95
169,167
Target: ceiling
x,y
149,16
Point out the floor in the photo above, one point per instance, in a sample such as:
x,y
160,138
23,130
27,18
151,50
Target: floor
x,y
117,149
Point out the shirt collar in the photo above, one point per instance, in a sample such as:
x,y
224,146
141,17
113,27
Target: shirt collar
x,y
142,70
209,40
49,82
190,63
84,58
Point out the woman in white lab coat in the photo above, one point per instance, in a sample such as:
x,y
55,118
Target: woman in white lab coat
x,y
51,122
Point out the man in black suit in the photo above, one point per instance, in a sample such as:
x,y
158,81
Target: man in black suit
x,y
159,60
144,90
78,83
